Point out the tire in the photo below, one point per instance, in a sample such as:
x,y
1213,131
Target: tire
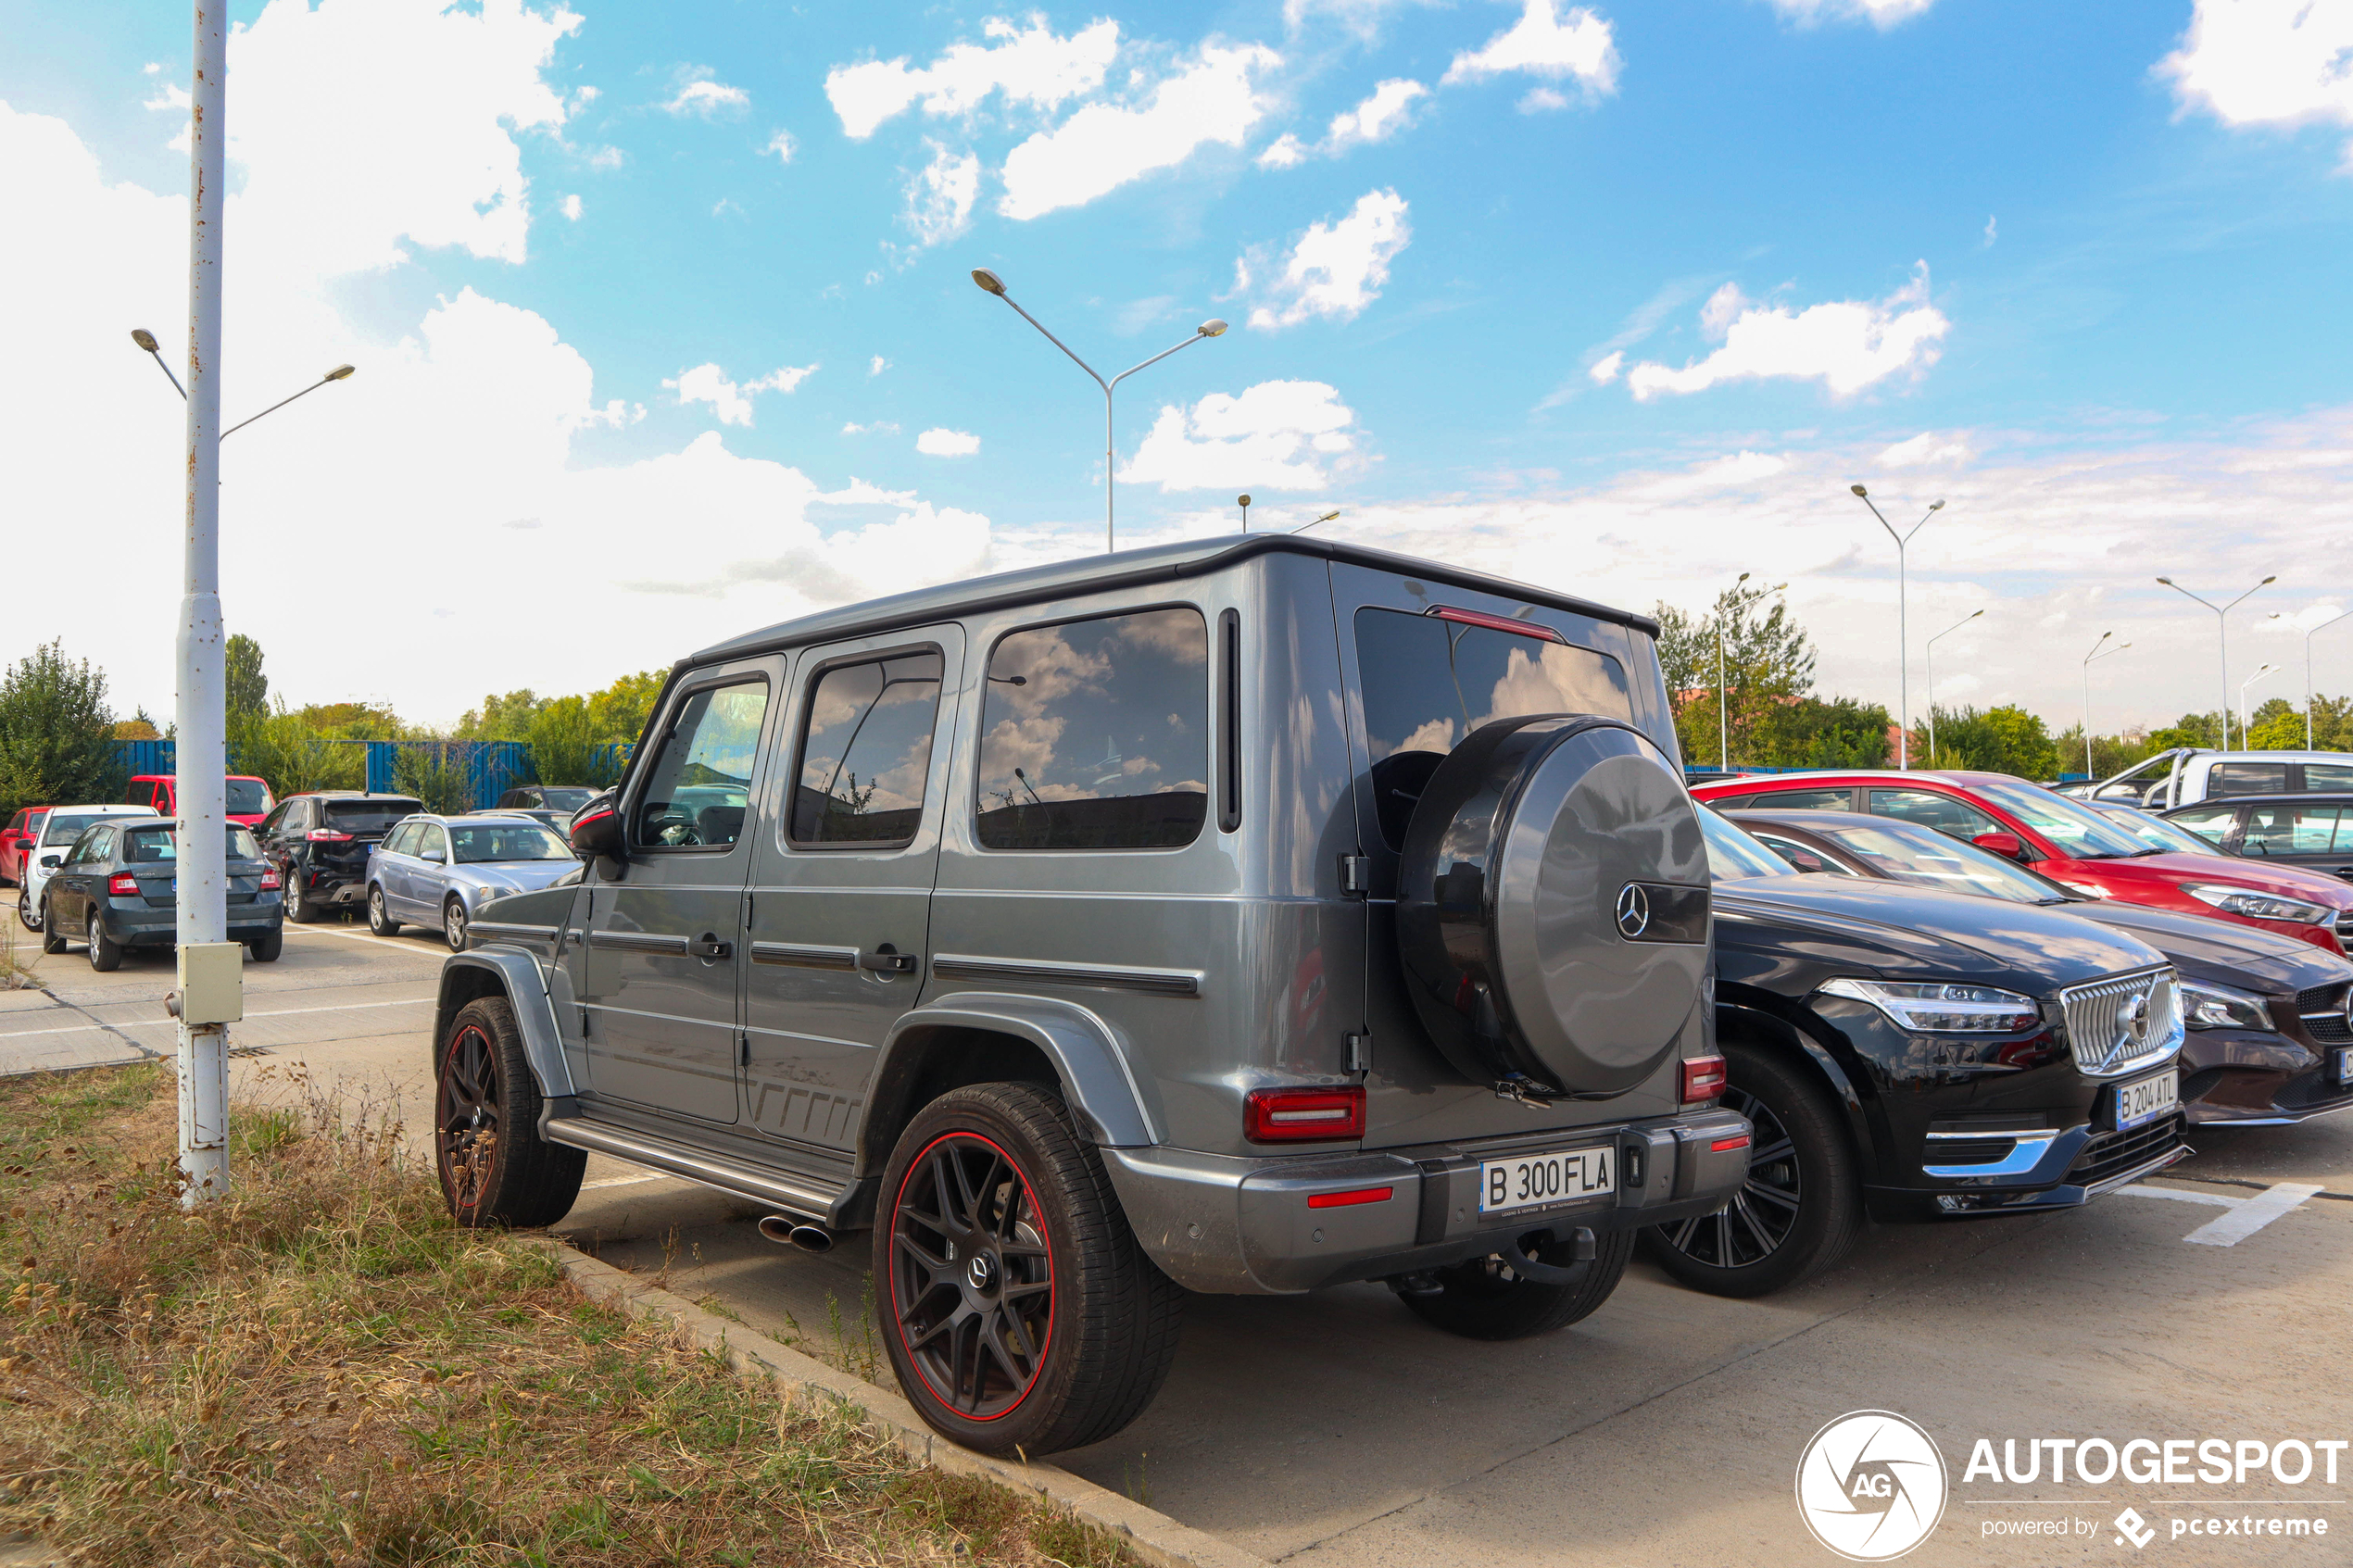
x,y
52,939
1801,1207
495,1168
299,910
106,953
454,924
265,950
1086,1345
379,919
29,915
1483,1299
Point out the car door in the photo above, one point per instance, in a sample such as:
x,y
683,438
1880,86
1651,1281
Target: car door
x,y
658,975
284,842
426,873
392,866
838,916
66,909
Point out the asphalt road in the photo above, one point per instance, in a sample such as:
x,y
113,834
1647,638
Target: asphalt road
x,y
1336,1429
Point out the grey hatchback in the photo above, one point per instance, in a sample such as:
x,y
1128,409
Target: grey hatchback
x,y
440,871
116,891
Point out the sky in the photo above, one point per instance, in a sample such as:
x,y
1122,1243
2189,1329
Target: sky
x,y
665,326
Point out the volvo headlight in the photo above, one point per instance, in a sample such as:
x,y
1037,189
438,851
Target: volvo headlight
x,y
2257,906
1938,1008
2218,1007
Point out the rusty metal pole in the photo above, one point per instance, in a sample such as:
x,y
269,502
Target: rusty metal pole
x,y
211,987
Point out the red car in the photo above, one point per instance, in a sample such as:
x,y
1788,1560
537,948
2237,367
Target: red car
x,y
22,831
249,798
2068,841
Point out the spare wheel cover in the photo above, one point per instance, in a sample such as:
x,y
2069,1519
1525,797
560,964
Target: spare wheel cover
x,y
1553,909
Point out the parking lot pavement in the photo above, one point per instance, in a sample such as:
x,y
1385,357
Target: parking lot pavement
x,y
1338,1430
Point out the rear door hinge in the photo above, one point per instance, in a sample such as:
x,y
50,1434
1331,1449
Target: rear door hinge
x,y
1356,875
1360,1053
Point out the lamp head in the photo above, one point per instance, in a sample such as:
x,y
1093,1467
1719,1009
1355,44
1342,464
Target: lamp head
x,y
2167,580
1975,613
989,282
1212,327
341,372
1859,491
144,338
1242,500
2273,578
1936,506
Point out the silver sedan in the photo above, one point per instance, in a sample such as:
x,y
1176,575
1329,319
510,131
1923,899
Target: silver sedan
x,y
441,870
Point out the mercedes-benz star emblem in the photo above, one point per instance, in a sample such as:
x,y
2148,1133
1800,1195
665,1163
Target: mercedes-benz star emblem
x,y
1633,909
978,1271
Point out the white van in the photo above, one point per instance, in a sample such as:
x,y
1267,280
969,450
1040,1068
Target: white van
x,y
2186,775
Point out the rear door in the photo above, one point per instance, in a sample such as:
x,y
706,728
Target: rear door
x,y
837,920
658,978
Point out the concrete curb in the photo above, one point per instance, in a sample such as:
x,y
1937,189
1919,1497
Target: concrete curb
x,y
804,1380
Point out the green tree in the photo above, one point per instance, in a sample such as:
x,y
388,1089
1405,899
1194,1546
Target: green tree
x,y
2278,725
2001,740
57,733
247,689
1767,667
618,712
2110,754
1811,732
563,742
291,754
500,718
137,727
2191,729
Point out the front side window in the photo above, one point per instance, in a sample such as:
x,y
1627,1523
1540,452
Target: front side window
x,y
432,843
2288,830
2210,823
866,752
1932,810
2247,778
1095,735
1429,683
701,784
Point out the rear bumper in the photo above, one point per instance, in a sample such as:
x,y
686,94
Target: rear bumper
x,y
1243,1226
146,925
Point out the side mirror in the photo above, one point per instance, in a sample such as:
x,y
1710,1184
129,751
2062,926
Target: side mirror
x,y
51,862
2006,845
434,856
595,828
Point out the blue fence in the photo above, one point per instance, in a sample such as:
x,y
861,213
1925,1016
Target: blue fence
x,y
492,767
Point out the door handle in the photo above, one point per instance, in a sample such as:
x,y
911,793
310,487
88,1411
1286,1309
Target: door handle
x,y
887,959
708,947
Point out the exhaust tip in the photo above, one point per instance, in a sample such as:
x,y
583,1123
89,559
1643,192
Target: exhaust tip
x,y
785,1231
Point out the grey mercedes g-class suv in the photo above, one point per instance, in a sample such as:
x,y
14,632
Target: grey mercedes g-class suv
x,y
1236,916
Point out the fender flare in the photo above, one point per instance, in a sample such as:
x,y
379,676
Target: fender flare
x,y
1756,1020
516,974
1085,1050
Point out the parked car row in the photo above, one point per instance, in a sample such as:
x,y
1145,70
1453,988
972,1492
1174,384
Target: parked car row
x,y
2185,776
1251,916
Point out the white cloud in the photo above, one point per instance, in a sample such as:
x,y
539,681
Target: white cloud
x,y
1927,449
1540,100
879,427
171,96
1277,435
2267,62
942,443
1846,345
781,145
1990,232
1336,270
732,400
1576,48
1605,368
570,208
1360,16
1882,14
726,206
876,366
940,195
1030,66
1741,469
702,95
1388,109
1104,145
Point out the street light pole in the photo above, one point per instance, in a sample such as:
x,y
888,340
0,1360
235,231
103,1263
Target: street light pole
x,y
991,283
2308,674
2244,725
2222,640
2090,772
1723,708
1931,678
1903,636
1243,501
147,340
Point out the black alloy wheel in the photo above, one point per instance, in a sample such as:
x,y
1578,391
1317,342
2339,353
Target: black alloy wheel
x,y
495,1168
972,1281
1758,1220
467,1114
299,910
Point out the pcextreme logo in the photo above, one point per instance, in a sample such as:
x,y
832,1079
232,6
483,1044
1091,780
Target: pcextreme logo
x,y
1871,1486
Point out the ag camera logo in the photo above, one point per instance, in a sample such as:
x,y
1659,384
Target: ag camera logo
x,y
1871,1486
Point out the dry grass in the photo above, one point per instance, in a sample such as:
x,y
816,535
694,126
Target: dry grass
x,y
322,1370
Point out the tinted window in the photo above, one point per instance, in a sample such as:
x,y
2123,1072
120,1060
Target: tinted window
x,y
562,800
143,847
247,796
1733,802
866,752
2328,777
2288,830
2247,778
1429,683
1804,857
701,784
369,816
506,841
1732,856
1933,811
1095,735
1803,800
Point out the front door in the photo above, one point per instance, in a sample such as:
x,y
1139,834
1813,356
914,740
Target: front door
x,y
657,977
839,915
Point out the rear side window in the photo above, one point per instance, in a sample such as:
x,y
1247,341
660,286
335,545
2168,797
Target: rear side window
x,y
866,752
2211,823
1805,800
1428,683
1095,735
2247,778
2328,778
701,784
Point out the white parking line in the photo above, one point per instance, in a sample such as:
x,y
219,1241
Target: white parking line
x,y
2244,1216
2178,1195
630,1181
277,1012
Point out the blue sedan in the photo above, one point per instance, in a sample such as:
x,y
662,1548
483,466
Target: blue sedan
x,y
440,871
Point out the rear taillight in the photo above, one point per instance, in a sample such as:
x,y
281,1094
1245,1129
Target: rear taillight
x,y
1704,1078
269,882
122,884
327,835
1303,1115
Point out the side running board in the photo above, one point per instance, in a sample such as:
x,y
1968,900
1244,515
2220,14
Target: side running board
x,y
800,1197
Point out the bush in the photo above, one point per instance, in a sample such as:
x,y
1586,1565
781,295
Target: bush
x,y
435,771
285,748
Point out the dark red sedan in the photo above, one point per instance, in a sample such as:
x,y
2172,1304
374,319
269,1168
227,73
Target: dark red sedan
x,y
2067,841
22,831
